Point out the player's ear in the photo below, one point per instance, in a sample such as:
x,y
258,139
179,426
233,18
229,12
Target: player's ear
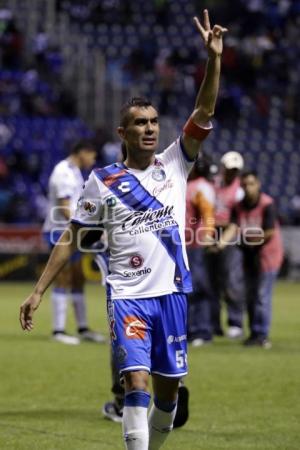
x,y
121,132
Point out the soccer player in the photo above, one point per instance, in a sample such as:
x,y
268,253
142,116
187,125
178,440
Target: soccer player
x,y
226,278
141,204
200,202
254,220
65,185
113,410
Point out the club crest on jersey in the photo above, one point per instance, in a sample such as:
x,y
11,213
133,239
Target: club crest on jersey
x,y
111,201
158,174
89,207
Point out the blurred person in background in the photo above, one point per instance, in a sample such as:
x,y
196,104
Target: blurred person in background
x,y
254,221
224,267
65,185
200,201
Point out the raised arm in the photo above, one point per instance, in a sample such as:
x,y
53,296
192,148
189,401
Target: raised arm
x,y
198,124
60,255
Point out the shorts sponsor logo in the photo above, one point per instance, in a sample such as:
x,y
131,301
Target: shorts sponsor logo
x,y
136,261
134,327
174,339
121,354
136,273
89,207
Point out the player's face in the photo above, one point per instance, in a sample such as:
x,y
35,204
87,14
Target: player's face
x,y
142,130
251,186
87,158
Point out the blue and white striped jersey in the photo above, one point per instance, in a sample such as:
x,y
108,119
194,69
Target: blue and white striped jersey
x,y
143,212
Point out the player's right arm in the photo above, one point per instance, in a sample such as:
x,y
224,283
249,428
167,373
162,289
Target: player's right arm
x,y
86,216
65,207
59,256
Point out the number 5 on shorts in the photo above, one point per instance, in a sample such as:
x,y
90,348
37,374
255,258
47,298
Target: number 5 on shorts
x,y
180,358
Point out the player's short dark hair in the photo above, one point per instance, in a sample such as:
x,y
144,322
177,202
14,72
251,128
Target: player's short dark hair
x,y
83,144
140,102
249,173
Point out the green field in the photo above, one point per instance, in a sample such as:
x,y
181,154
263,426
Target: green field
x,y
51,394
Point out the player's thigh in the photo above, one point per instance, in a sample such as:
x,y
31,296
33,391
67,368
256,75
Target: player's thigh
x,y
169,337
130,329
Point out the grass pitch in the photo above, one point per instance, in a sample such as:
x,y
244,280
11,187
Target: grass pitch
x,y
51,394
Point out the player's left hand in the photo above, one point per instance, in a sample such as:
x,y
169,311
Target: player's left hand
x,y
212,37
27,309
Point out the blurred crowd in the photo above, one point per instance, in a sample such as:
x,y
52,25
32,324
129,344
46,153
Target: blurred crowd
x,y
260,62
30,81
260,57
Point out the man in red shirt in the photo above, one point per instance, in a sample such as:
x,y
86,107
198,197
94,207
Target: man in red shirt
x,y
255,226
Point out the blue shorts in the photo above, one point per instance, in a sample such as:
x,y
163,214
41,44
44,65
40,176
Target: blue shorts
x,y
150,334
52,237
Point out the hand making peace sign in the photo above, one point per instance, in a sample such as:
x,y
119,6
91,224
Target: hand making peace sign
x,y
212,37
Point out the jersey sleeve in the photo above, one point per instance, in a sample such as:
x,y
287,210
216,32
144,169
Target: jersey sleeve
x,y
89,206
176,155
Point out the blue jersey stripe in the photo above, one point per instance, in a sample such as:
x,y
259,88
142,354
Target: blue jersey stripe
x,y
139,199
